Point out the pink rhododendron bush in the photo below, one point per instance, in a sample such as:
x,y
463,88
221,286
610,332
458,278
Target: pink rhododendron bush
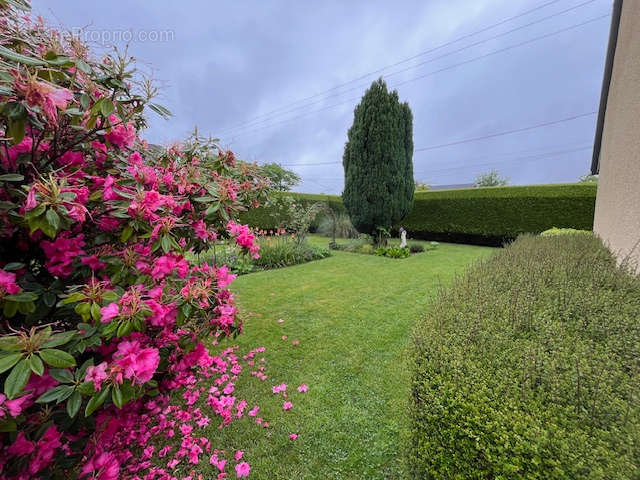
x,y
104,310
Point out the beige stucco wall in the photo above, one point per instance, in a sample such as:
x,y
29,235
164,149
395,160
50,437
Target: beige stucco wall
x,y
617,215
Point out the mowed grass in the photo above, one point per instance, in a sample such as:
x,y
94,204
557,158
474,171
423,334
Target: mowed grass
x,y
352,315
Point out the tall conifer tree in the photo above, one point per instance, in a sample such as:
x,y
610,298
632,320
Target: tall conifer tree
x,y
378,161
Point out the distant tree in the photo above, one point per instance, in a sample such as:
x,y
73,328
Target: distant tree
x,y
282,179
588,178
421,186
491,179
378,161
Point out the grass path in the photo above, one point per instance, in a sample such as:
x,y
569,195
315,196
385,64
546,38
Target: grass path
x,y
352,315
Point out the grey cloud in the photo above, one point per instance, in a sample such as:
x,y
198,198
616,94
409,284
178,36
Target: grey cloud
x,y
229,62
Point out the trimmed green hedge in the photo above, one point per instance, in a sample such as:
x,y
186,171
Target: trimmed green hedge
x,y
528,368
502,212
481,215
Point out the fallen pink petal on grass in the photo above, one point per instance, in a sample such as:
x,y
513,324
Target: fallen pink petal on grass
x,y
303,388
287,406
242,470
293,436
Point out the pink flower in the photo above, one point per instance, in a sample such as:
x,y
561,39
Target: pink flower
x,y
122,135
287,406
15,406
62,252
21,446
8,283
139,364
242,470
219,464
97,375
47,447
109,312
71,159
104,466
303,388
296,342
279,388
238,455
254,411
293,436
47,97
31,199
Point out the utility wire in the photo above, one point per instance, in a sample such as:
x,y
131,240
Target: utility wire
x,y
418,55
250,124
468,140
506,132
446,171
471,60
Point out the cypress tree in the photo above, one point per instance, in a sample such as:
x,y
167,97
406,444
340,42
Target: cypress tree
x,y
378,161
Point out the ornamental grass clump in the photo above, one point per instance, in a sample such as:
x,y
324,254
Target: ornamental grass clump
x,y
528,367
103,311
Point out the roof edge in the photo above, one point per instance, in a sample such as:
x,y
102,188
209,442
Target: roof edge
x,y
606,82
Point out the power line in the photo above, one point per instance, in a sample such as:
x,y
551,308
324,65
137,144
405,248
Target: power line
x,y
506,132
530,157
418,55
256,122
469,140
474,59
525,159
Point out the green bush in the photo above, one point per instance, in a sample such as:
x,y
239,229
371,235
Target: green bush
x,y
416,248
478,215
392,252
282,252
263,217
565,231
529,367
340,224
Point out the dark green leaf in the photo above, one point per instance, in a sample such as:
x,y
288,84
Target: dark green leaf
x,y
116,397
53,218
11,177
8,361
56,394
57,358
74,403
59,339
62,376
17,379
97,400
36,365
22,297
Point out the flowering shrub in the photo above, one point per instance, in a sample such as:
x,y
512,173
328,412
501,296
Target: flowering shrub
x,y
102,311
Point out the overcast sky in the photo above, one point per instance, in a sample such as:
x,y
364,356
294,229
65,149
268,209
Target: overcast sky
x,y
241,71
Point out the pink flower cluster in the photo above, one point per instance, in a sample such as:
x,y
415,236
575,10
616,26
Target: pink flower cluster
x,y
244,237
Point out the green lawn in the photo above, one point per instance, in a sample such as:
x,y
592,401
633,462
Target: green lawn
x,y
352,314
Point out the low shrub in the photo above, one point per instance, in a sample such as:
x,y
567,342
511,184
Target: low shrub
x,y
416,248
284,252
338,225
565,231
528,368
392,252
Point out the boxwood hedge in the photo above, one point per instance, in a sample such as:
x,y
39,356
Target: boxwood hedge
x,y
529,368
480,215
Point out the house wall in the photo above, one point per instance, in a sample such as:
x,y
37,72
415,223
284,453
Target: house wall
x,y
617,213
